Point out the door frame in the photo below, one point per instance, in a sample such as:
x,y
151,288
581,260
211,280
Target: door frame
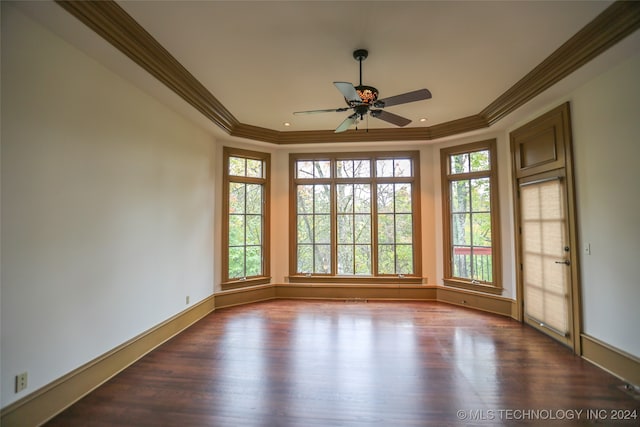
x,y
559,119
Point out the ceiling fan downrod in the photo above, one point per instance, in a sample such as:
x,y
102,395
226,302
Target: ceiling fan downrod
x,y
360,55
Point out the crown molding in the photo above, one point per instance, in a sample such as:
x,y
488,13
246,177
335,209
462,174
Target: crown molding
x,y
453,127
328,136
117,27
615,23
256,133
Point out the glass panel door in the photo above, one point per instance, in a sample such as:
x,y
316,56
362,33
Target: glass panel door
x,y
545,256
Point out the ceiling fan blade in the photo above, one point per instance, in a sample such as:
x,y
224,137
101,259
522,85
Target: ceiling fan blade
x,y
348,91
346,124
416,95
330,110
390,117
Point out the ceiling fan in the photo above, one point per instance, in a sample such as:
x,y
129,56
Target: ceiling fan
x,y
364,99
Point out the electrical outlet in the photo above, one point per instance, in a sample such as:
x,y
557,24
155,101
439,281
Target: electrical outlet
x,y
21,382
187,299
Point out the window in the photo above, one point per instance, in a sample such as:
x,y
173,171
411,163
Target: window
x,y
355,217
245,230
470,216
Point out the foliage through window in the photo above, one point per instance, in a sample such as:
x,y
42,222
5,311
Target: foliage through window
x,y
246,225
470,206
355,215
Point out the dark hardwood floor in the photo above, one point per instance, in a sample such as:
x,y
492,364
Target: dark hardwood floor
x,y
331,363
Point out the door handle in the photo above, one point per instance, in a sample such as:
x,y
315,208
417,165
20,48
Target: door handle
x,y
565,262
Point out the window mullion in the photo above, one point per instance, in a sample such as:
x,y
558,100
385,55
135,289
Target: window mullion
x,y
353,226
374,226
313,234
245,217
395,232
263,229
355,235
416,236
333,214
470,243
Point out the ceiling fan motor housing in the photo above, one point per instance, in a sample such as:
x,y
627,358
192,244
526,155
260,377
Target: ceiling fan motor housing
x,y
361,110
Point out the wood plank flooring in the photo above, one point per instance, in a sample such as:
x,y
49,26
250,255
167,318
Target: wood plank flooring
x,y
332,363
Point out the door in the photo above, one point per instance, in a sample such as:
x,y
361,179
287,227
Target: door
x,y
547,271
544,240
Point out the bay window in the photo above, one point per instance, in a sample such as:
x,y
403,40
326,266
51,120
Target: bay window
x,y
355,217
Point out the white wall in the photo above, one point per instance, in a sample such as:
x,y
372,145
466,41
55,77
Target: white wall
x,y
606,134
280,216
107,208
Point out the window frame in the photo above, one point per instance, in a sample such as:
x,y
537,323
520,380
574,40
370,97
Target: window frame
x,y
494,287
265,158
333,181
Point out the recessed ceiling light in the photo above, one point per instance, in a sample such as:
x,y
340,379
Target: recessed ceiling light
x,y
287,124
424,119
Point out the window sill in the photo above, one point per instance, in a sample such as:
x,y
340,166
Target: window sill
x,y
366,280
478,287
235,284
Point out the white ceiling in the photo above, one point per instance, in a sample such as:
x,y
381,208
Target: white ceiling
x,y
263,60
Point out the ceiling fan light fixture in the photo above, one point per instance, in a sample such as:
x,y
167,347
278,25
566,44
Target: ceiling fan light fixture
x,y
368,94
